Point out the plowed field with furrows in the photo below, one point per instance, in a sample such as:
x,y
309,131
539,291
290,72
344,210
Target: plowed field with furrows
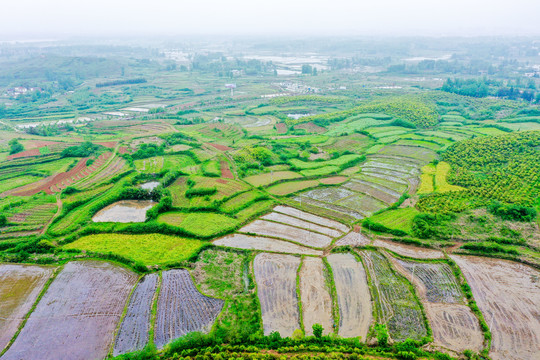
x,y
133,333
275,276
182,308
508,295
78,314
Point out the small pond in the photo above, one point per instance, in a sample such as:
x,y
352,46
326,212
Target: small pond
x,y
149,185
124,211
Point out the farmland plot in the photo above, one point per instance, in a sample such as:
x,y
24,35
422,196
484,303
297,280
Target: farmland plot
x,y
310,217
315,296
396,304
290,220
182,308
453,323
354,299
508,295
20,286
366,186
242,241
78,314
436,281
134,331
353,239
337,211
409,250
275,276
364,204
301,236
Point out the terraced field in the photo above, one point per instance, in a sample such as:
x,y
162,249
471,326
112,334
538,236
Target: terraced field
x,y
380,182
225,188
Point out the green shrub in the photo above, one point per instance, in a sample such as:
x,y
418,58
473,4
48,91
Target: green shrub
x,y
200,192
512,211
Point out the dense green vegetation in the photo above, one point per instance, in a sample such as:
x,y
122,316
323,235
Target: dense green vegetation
x,y
502,168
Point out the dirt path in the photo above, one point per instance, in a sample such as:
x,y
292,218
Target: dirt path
x,y
58,212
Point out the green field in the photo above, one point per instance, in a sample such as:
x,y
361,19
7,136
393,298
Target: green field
x,y
270,178
199,224
398,219
149,249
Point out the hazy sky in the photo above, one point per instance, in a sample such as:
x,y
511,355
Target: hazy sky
x,y
64,18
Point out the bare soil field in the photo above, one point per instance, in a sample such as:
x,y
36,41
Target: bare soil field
x,y
26,153
353,239
220,147
454,325
281,128
301,236
315,296
226,172
275,276
333,180
242,241
354,299
182,308
310,217
396,304
291,220
508,294
365,188
133,333
409,250
78,314
20,286
311,128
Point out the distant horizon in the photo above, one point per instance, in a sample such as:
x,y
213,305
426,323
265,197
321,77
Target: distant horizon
x,y
66,18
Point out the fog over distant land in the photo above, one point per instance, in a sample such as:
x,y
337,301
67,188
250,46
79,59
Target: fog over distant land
x,y
25,19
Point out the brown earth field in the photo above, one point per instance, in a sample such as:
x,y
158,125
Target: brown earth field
x,y
220,147
333,180
275,276
281,128
226,170
508,294
77,316
20,286
26,153
353,294
315,296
